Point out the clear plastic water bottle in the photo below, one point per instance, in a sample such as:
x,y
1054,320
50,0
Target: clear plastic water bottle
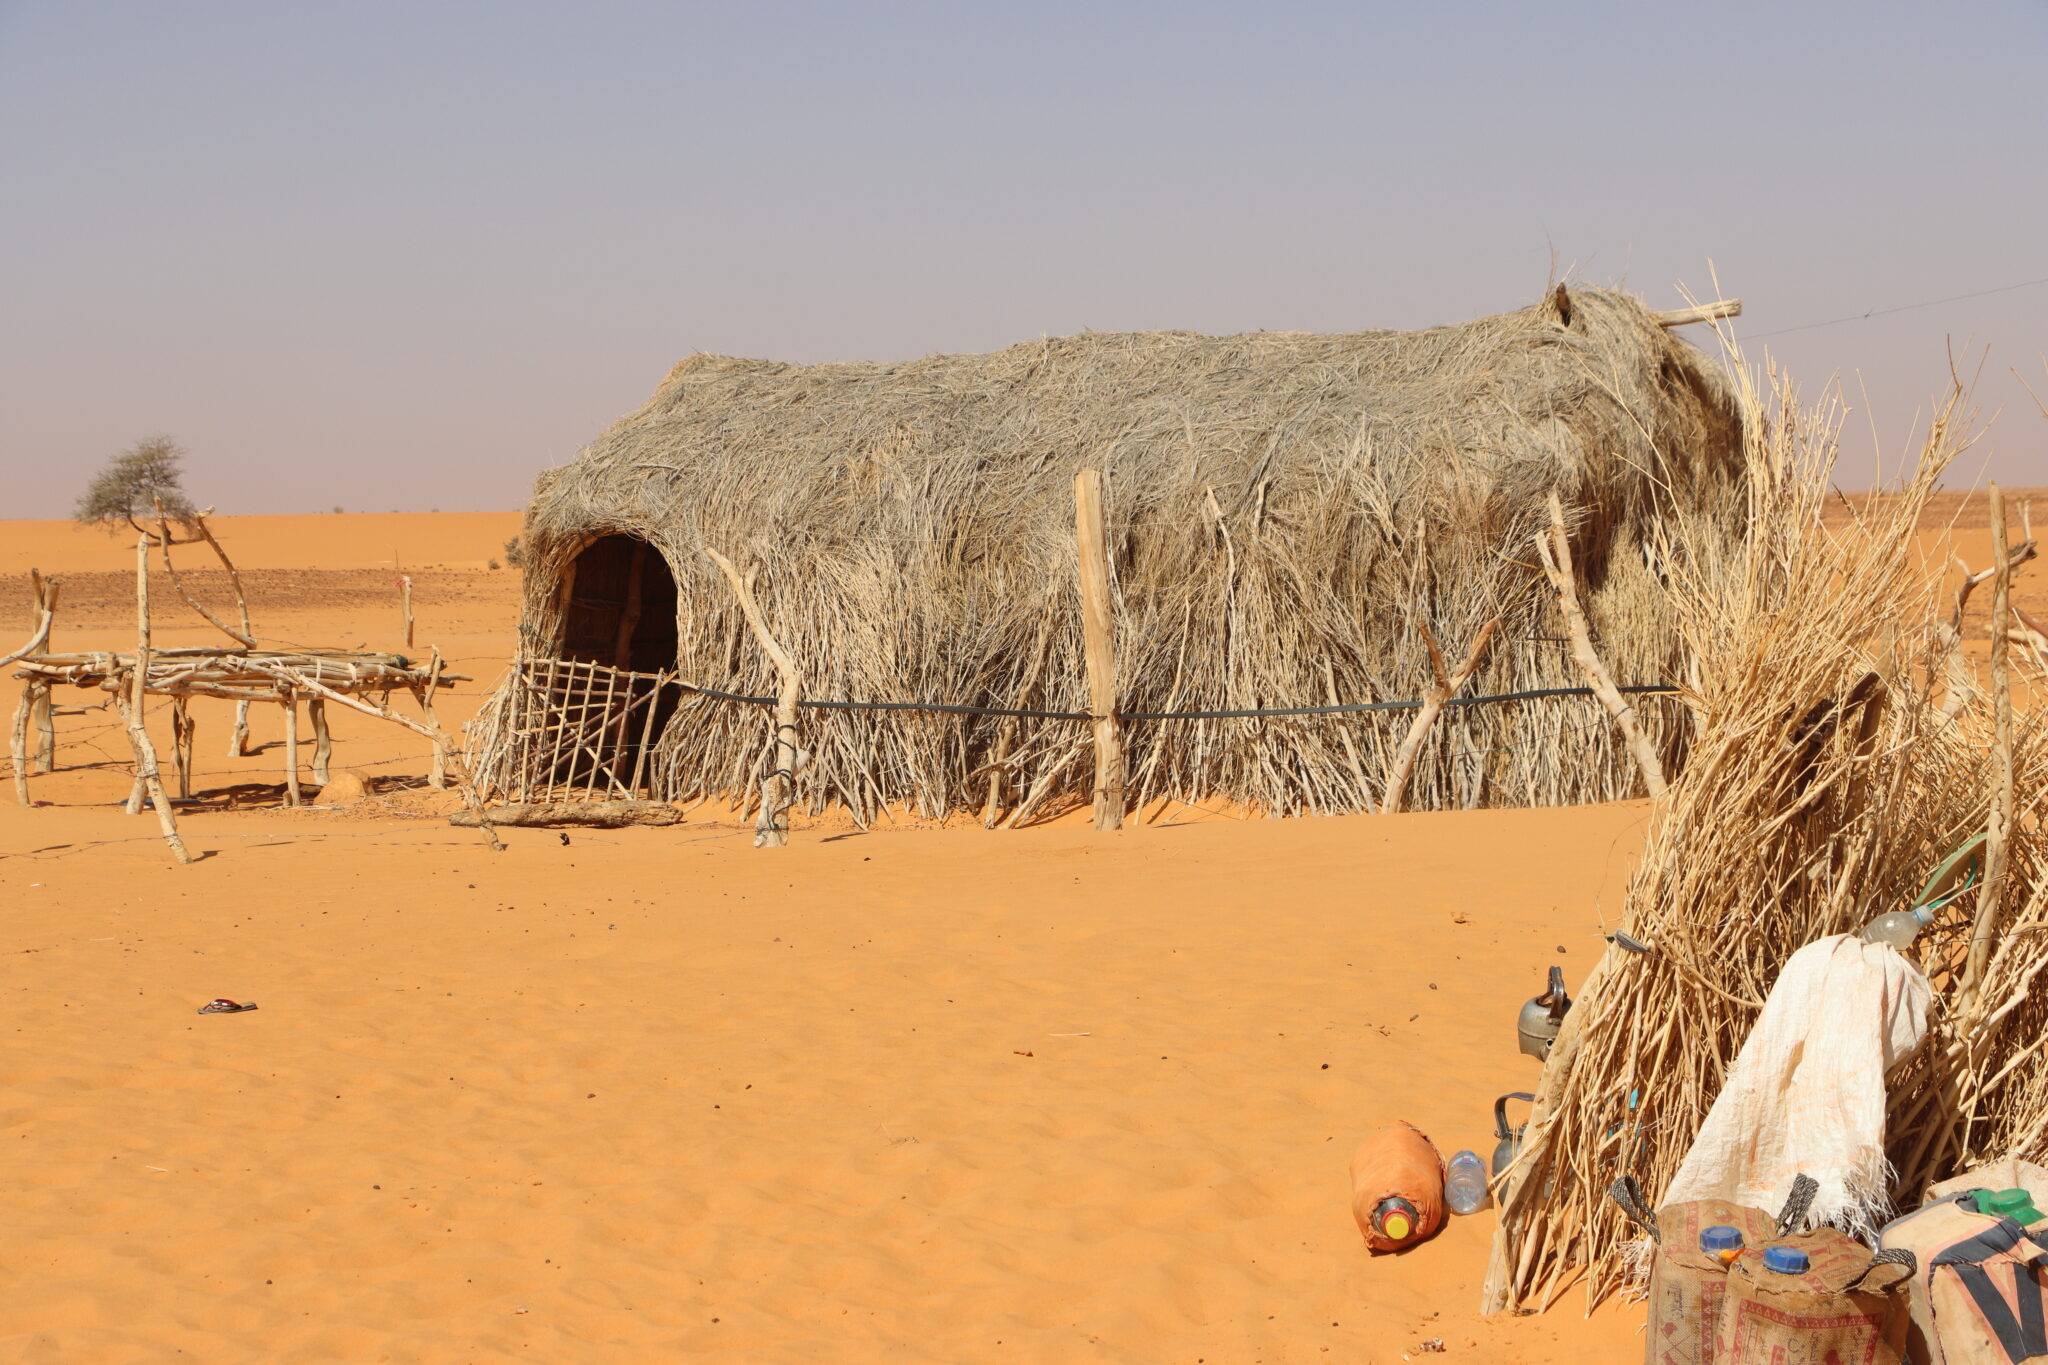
x,y
1898,927
1465,1182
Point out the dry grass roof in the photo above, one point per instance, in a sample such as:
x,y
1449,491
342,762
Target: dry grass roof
x,y
1286,510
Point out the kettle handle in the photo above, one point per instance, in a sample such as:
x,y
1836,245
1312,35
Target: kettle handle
x,y
1554,998
1500,1112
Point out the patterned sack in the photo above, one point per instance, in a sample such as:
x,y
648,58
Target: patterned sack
x,y
1981,1295
1846,1307
1686,1282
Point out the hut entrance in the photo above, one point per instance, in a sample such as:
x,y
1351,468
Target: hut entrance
x,y
619,606
583,723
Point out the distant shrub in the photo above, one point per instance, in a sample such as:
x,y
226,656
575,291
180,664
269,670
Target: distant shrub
x,y
132,484
494,564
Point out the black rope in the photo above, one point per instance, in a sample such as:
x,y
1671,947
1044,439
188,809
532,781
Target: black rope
x,y
1243,713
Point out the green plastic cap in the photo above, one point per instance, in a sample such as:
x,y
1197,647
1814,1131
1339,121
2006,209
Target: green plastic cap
x,y
2015,1204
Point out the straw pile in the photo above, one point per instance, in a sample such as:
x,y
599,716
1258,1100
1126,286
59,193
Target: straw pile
x,y
1842,751
1287,512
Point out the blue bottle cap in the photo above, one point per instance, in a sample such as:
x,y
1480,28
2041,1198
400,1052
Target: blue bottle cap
x,y
1720,1238
1785,1260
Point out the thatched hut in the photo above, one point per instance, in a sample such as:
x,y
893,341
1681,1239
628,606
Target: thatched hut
x,y
1287,513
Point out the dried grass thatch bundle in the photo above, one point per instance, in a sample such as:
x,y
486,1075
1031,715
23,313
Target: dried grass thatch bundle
x,y
1287,514
1837,760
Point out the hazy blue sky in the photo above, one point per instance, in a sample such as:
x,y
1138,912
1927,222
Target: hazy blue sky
x,y
408,255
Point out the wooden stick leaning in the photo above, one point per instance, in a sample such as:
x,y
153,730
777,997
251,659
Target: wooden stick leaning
x,y
1555,549
131,706
164,542
778,785
1999,829
1444,688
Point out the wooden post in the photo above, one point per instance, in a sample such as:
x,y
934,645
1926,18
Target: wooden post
x,y
1984,927
291,748
17,745
323,743
238,739
1556,552
437,774
1433,700
39,715
1098,638
647,731
35,699
778,784
629,618
405,601
44,751
181,746
147,778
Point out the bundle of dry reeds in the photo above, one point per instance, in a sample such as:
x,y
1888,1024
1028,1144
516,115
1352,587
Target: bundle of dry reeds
x,y
1840,755
1289,516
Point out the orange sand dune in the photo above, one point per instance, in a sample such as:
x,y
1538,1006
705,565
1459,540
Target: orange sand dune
x,y
915,1094
352,540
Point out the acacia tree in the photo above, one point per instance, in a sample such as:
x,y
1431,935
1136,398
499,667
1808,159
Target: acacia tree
x,y
134,483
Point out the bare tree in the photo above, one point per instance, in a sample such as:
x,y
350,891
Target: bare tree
x,y
134,483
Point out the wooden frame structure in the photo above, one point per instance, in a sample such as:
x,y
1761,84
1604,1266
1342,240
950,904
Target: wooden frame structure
x,y
243,673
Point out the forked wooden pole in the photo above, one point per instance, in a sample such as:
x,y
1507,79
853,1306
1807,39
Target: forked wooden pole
x,y
778,784
1443,688
238,739
45,608
147,777
1098,641
323,742
405,604
1556,552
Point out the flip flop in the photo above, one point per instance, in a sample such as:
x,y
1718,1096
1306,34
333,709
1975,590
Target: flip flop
x,y
225,1006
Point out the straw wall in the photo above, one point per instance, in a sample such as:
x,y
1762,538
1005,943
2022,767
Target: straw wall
x,y
1286,514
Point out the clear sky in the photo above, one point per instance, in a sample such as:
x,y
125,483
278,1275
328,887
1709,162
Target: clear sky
x,y
407,255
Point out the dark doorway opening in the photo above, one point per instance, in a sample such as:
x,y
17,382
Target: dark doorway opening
x,y
619,612
621,606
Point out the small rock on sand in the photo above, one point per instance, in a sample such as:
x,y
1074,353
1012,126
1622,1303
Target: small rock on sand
x,y
344,788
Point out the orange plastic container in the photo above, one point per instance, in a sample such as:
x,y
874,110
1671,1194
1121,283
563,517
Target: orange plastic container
x,y
1397,1188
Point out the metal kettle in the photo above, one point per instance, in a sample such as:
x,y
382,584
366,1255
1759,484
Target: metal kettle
x,y
1541,1018
1510,1145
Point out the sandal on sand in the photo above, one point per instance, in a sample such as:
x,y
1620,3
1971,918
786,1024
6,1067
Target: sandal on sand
x,y
225,1006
